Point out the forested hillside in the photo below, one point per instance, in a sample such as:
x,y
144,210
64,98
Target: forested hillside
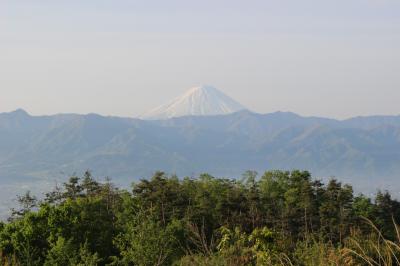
x,y
278,218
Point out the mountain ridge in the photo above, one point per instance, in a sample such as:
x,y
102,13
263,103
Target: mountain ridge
x,y
46,146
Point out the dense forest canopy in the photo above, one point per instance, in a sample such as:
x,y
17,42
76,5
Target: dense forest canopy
x,y
279,218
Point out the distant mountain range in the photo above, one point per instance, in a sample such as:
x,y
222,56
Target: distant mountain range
x,y
365,150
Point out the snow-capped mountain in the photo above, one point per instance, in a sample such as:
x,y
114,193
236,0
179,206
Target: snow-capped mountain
x,y
198,101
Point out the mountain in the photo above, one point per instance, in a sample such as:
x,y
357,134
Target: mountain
x,y
34,148
37,152
198,101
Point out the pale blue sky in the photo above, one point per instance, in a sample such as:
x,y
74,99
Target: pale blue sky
x,y
334,58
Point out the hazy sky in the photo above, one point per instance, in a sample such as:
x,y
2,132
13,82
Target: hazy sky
x,y
334,58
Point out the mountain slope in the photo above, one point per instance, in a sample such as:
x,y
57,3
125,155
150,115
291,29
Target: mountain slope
x,y
56,146
37,150
198,101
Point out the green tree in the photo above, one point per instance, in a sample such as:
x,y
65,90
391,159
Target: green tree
x,y
27,202
147,242
335,211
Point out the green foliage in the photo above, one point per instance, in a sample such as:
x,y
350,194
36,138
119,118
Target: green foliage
x,y
280,218
145,241
27,202
64,253
312,252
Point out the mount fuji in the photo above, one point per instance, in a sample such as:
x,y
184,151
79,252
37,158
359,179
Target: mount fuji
x,y
198,101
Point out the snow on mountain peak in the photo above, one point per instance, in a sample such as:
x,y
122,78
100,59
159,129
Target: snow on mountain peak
x,y
199,101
